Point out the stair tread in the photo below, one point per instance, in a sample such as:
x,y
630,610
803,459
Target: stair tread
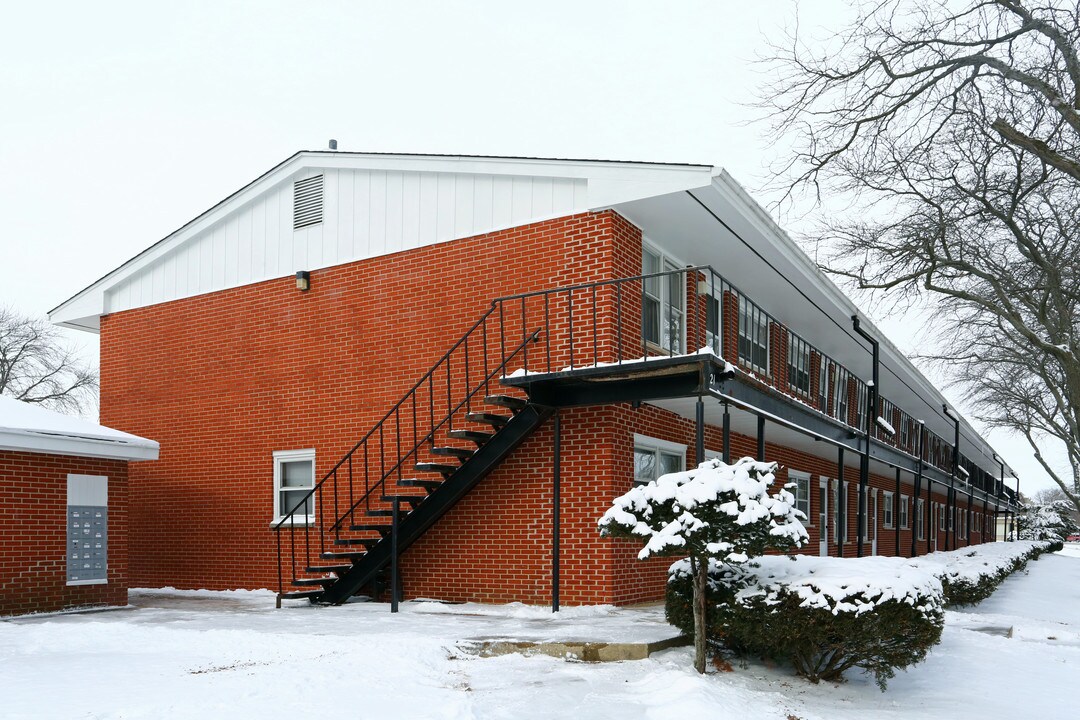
x,y
473,435
488,418
356,541
299,594
420,482
458,452
370,526
328,568
435,467
350,555
507,401
303,582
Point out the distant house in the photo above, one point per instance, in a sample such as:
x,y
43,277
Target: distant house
x,y
498,347
64,517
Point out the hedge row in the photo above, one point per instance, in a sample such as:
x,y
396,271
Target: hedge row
x,y
827,615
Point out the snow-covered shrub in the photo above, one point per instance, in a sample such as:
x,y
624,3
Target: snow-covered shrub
x,y
719,510
970,575
1048,521
713,512
823,615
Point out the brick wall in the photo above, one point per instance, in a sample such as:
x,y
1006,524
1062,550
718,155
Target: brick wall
x,y
223,380
33,533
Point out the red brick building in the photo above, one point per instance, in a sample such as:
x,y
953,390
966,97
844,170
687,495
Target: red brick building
x,y
498,347
64,519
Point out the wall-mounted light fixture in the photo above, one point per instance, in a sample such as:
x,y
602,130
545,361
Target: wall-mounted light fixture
x,y
303,280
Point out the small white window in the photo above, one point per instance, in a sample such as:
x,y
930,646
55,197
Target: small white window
x,y
653,458
801,491
941,517
904,511
294,477
920,519
887,510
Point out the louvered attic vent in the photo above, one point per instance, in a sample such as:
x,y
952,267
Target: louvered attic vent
x,y
307,202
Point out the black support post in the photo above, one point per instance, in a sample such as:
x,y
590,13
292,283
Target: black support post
x,y
727,434
871,420
556,510
918,491
761,437
950,519
841,515
896,523
395,585
699,445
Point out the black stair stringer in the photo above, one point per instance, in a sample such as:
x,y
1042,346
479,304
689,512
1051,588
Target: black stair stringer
x,y
414,524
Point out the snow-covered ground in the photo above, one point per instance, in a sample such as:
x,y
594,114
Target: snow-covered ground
x,y
207,655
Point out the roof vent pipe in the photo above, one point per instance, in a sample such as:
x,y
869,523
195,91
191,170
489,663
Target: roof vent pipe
x,y
333,144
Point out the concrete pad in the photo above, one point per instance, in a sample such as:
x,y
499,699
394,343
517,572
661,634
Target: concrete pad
x,y
583,651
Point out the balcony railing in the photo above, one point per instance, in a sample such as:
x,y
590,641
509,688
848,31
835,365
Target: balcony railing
x,y
695,308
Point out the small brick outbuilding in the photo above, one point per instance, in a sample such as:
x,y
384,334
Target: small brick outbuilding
x,y
64,515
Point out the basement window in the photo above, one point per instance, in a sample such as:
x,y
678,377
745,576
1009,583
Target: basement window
x,y
307,202
653,458
294,477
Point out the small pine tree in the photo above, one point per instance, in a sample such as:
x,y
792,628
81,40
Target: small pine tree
x,y
718,511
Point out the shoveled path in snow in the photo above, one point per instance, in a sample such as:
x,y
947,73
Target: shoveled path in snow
x,y
205,655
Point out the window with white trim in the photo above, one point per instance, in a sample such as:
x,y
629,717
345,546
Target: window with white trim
x,y
862,395
663,301
753,336
920,519
887,509
798,365
294,477
654,457
903,511
801,491
823,384
941,517
840,394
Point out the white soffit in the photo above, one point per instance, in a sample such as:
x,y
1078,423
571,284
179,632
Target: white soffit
x,y
372,205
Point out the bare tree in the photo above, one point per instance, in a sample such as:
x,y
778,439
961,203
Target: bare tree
x,y
36,366
953,129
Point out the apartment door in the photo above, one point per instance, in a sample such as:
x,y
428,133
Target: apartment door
x,y
823,517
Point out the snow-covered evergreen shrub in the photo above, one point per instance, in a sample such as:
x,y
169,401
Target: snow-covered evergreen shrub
x,y
970,575
1048,521
714,512
823,615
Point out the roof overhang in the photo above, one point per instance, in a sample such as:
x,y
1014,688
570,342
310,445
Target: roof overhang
x,y
608,182
722,226
36,441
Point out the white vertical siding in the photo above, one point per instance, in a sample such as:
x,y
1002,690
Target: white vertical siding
x,y
365,213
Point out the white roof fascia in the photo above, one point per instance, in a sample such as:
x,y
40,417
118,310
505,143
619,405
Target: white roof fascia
x,y
608,182
54,444
727,186
28,427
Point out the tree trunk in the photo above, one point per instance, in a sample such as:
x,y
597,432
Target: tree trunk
x,y
699,566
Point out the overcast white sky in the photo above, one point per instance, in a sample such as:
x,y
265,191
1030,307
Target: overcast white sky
x,y
121,121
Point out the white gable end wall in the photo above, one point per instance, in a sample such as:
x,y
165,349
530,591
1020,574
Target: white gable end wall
x,y
366,213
